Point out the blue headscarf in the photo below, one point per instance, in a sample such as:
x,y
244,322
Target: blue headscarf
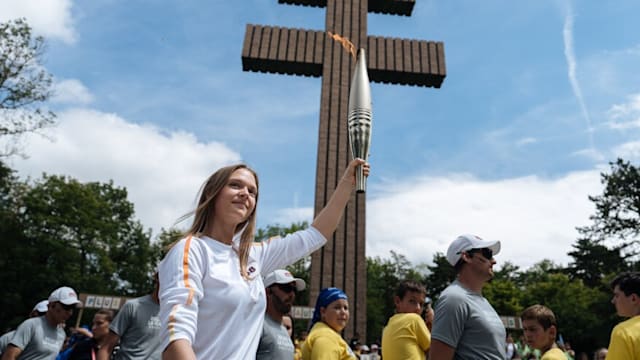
x,y
326,297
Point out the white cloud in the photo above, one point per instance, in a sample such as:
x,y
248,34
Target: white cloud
x,y
534,218
526,141
628,151
49,18
71,91
162,172
626,115
589,153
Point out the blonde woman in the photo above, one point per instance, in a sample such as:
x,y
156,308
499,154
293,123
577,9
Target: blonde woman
x,y
212,297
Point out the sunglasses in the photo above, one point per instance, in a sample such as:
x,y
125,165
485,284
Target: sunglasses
x,y
486,252
67,307
287,287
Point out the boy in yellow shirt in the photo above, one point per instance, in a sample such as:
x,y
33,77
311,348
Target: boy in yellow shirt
x,y
406,335
625,337
540,330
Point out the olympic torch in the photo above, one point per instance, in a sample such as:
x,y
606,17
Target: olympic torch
x,y
359,116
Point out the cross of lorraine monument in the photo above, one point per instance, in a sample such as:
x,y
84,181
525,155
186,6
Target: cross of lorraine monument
x,y
342,261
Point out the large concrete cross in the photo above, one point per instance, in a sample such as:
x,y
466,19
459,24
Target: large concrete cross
x,y
342,261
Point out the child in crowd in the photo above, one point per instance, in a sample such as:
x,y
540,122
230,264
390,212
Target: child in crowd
x,y
540,330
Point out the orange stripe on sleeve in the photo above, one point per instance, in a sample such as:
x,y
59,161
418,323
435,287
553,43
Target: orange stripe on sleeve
x,y
185,269
172,321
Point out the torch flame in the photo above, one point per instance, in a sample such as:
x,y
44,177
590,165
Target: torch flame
x,y
346,44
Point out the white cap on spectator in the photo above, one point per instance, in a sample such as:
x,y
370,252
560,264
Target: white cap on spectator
x,y
467,242
283,277
65,295
41,306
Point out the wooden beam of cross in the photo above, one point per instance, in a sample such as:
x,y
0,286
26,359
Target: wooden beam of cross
x,y
342,261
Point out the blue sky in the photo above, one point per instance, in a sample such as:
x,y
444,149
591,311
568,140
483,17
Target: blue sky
x,y
539,97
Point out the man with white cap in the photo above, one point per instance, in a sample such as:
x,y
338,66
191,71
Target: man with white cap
x,y
280,287
38,310
41,338
466,326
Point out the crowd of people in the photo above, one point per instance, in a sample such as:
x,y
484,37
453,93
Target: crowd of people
x,y
220,295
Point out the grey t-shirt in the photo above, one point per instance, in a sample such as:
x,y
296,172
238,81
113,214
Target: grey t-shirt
x,y
467,322
37,339
4,340
275,343
138,326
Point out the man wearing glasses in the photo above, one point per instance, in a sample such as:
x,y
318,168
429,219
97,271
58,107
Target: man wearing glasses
x,y
280,287
42,337
466,326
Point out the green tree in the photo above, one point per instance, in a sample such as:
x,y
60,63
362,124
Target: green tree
x,y
381,282
441,274
164,240
15,257
539,272
592,262
87,235
24,83
504,296
503,291
617,217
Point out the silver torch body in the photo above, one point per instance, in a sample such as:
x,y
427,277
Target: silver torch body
x,y
360,116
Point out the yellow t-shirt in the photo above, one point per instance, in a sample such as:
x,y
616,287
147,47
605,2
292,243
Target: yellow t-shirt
x,y
405,337
625,340
554,354
325,343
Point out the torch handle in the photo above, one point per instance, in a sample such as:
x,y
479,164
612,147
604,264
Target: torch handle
x,y
361,180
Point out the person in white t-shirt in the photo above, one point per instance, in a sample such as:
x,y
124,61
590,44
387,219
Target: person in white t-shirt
x,y
212,296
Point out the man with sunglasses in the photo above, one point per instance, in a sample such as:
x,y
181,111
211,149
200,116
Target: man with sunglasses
x,y
280,287
42,337
466,326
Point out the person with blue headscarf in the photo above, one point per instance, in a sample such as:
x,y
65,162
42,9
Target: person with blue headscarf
x,y
330,317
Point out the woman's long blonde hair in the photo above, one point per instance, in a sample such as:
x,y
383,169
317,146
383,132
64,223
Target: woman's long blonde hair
x,y
204,212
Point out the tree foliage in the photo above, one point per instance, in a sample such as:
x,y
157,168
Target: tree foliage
x,y
381,282
617,217
593,261
59,231
440,275
24,83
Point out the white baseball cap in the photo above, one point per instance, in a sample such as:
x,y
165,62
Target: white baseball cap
x,y
65,295
41,306
283,277
467,242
